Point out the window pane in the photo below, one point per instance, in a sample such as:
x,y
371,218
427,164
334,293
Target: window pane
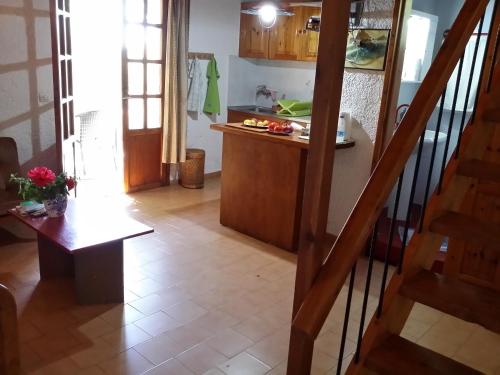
x,y
134,10
135,42
154,11
154,113
154,43
135,78
135,114
154,79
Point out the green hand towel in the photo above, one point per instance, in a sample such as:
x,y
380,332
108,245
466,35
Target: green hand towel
x,y
212,101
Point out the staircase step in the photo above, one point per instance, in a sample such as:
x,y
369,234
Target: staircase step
x,y
480,169
467,228
398,356
463,300
492,115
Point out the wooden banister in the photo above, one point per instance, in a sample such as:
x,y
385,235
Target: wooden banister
x,y
9,337
352,240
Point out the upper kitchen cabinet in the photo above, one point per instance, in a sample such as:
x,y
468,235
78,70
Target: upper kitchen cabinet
x,y
309,40
254,38
284,38
287,39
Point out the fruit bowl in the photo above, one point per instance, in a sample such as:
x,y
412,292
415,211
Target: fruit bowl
x,y
277,128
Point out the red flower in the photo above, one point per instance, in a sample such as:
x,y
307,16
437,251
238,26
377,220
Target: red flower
x,y
70,183
41,176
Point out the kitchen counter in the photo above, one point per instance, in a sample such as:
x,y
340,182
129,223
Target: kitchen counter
x,y
257,111
292,139
262,184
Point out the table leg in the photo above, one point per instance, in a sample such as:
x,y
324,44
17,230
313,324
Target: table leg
x,y
54,261
99,274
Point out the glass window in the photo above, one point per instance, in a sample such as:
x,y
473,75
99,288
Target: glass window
x,y
135,42
135,78
154,43
154,12
135,114
154,113
134,10
419,45
154,79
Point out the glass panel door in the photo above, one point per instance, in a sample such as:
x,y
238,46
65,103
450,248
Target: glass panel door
x,y
143,68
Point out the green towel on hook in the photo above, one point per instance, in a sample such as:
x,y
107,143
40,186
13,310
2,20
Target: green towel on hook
x,y
212,101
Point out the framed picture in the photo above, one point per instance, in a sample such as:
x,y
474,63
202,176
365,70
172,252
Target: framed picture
x,y
367,49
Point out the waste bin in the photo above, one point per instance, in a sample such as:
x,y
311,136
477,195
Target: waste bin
x,y
192,171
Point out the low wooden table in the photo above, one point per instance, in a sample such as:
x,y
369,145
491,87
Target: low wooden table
x,y
87,245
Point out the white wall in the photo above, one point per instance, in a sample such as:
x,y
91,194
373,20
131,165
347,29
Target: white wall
x,y
26,104
214,27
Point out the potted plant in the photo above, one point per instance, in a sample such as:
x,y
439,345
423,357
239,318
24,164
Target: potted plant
x,y
42,185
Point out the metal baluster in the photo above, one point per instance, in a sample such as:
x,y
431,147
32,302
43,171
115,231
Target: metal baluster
x,y
394,221
410,202
450,125
433,157
346,320
483,65
469,85
367,292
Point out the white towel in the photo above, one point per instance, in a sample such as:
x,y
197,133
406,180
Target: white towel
x,y
194,86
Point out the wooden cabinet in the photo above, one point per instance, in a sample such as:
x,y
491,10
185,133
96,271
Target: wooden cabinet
x,y
288,39
309,40
254,39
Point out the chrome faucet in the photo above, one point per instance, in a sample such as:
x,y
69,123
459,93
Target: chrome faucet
x,y
267,92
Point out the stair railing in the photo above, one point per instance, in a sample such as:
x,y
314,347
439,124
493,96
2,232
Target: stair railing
x,y
449,93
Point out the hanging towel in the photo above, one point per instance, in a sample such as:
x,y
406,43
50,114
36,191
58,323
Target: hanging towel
x,y
212,102
194,86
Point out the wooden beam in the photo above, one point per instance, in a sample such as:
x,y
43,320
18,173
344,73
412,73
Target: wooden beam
x,y
319,170
392,77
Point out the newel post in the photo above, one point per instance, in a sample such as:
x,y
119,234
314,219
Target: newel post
x,y
326,108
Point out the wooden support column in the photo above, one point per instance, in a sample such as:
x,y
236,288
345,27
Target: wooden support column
x,y
326,107
392,78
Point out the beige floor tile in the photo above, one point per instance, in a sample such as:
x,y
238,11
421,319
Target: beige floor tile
x,y
255,328
152,304
201,358
94,353
126,363
189,335
94,370
126,337
121,315
271,350
244,364
93,329
157,323
159,349
61,367
229,342
185,312
170,367
145,287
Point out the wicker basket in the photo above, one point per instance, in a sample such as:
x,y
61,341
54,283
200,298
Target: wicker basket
x,y
192,171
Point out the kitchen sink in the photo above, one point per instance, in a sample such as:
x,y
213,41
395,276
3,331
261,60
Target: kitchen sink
x,y
258,109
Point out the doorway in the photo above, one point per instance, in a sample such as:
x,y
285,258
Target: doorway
x,y
97,79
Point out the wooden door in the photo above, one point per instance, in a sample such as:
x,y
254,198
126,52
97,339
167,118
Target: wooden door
x,y
62,69
143,60
309,40
254,39
284,41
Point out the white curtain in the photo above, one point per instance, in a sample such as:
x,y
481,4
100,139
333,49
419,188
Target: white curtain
x,y
175,111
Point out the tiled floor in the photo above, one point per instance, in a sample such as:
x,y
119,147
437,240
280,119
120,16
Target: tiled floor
x,y
200,299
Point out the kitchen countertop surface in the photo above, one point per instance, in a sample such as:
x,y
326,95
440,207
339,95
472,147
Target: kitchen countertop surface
x,y
292,139
267,112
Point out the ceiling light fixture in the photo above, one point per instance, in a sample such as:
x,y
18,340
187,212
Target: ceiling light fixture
x,y
268,14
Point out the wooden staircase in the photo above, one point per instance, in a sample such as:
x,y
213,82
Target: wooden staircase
x,y
471,181
459,298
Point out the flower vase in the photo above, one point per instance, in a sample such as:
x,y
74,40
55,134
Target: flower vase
x,y
56,207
